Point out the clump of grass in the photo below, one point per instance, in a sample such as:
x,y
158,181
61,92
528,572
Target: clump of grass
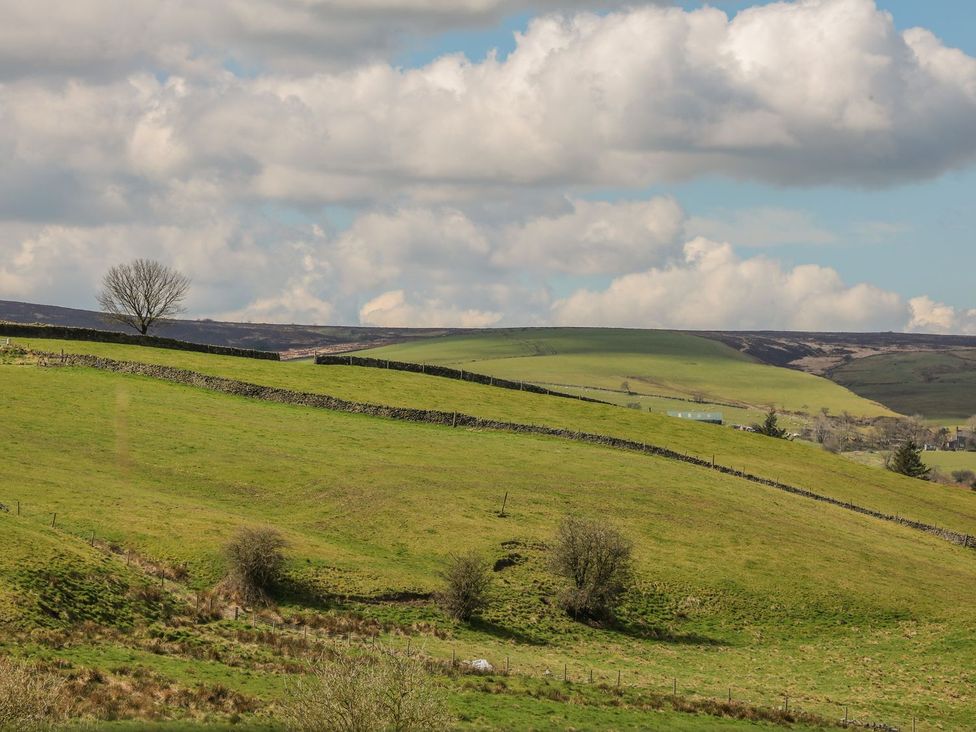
x,y
379,690
30,699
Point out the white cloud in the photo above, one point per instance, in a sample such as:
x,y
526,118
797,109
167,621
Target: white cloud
x,y
929,316
411,243
110,37
167,129
596,237
713,288
392,310
439,267
815,91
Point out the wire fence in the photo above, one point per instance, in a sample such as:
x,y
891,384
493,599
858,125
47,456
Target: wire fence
x,y
727,700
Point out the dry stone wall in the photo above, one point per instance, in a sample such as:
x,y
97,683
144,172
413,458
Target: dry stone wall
x,y
446,372
21,330
457,419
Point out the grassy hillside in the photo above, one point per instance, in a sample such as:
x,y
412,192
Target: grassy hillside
x,y
799,464
650,362
939,386
739,586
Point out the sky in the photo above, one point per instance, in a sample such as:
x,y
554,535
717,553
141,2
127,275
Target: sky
x,y
804,165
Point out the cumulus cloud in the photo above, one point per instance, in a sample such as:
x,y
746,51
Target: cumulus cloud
x,y
713,288
168,129
815,91
929,316
392,310
108,37
596,237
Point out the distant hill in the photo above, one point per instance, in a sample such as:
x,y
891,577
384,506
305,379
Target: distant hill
x,y
641,366
925,382
910,373
291,340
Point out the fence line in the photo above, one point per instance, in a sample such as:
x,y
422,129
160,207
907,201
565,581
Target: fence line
x,y
310,637
302,631
457,419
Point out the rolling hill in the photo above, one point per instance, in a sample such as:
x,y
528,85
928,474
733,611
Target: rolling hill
x,y
740,585
939,385
659,363
834,356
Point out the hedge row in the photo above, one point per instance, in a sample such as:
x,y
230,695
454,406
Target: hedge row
x,y
448,373
456,419
64,332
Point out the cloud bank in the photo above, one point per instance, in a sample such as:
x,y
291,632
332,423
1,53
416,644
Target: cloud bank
x,y
182,130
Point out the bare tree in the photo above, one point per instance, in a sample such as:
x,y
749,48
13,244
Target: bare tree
x,y
595,561
466,583
142,291
255,562
377,690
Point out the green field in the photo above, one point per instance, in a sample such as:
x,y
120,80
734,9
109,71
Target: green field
x,y
939,386
943,461
799,464
740,586
657,363
949,461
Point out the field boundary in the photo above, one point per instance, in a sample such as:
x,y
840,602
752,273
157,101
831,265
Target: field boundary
x,y
449,373
457,419
69,333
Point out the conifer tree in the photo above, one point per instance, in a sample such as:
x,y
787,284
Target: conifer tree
x,y
770,426
907,460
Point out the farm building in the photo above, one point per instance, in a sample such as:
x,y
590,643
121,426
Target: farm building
x,y
710,417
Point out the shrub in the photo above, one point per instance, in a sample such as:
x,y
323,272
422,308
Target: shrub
x,y
379,690
595,560
466,582
967,477
255,562
29,698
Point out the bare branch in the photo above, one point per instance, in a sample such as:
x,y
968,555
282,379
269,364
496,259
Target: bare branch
x,y
139,293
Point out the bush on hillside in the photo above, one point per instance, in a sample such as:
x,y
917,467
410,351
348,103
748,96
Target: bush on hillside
x,y
467,579
966,477
379,690
255,562
595,561
30,700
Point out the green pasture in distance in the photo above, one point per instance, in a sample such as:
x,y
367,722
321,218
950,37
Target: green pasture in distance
x,y
939,386
660,363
